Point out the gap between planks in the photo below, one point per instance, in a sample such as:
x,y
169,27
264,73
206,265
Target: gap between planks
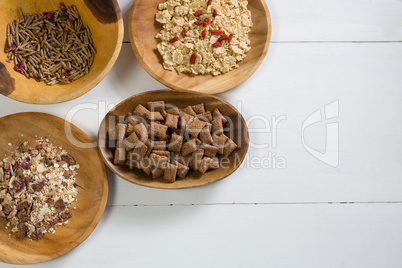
x,y
258,204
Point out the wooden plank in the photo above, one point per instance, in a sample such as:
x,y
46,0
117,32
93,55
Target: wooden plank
x,y
364,235
327,20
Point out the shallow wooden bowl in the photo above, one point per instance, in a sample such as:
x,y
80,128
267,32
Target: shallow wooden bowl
x,y
181,99
143,29
106,24
92,195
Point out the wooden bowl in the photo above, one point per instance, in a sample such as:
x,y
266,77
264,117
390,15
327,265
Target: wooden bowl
x,y
180,99
91,199
143,29
106,24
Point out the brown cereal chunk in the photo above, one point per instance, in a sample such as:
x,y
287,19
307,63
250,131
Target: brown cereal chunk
x,y
189,110
141,131
218,115
183,159
157,173
176,142
188,147
119,156
199,108
205,135
217,127
162,153
172,120
195,127
159,145
170,172
230,146
196,158
141,111
186,120
206,116
209,150
219,142
146,165
131,141
155,116
156,106
182,170
204,164
138,152
173,110
158,130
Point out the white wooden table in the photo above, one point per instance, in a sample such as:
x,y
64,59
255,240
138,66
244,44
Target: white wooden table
x,y
290,205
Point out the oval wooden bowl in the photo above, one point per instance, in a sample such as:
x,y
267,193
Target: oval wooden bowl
x,y
143,29
181,99
91,199
106,24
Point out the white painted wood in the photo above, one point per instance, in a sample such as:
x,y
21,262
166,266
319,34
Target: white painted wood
x,y
295,80
359,235
327,20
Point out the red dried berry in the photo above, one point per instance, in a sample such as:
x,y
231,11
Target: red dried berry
x,y
8,60
198,13
55,221
184,32
193,58
209,2
230,38
204,33
217,31
174,39
223,37
11,48
216,44
163,9
63,7
49,15
7,166
38,147
214,13
197,22
19,68
206,22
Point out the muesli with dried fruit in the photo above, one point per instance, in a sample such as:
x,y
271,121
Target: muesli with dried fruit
x,y
37,188
203,36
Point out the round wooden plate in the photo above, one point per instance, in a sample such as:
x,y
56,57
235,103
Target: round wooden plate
x,y
106,24
143,29
91,199
181,99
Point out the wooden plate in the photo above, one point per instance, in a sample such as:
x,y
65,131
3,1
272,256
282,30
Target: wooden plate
x,y
91,199
181,99
106,24
143,29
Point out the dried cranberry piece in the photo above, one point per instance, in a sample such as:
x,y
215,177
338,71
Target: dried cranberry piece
x,y
63,7
19,68
11,48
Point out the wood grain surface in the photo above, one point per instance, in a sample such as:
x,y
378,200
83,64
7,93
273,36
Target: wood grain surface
x,y
143,29
92,193
107,35
181,99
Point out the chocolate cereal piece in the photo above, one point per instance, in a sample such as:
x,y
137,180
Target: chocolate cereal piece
x,y
146,165
149,145
218,115
120,131
204,164
162,153
206,116
157,172
230,146
119,156
170,172
205,135
141,131
158,130
156,106
182,170
199,108
131,141
195,127
196,158
188,147
209,150
142,111
159,145
155,116
172,120
176,142
217,126
186,120
138,152
219,142
214,164
183,159
189,110
173,110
